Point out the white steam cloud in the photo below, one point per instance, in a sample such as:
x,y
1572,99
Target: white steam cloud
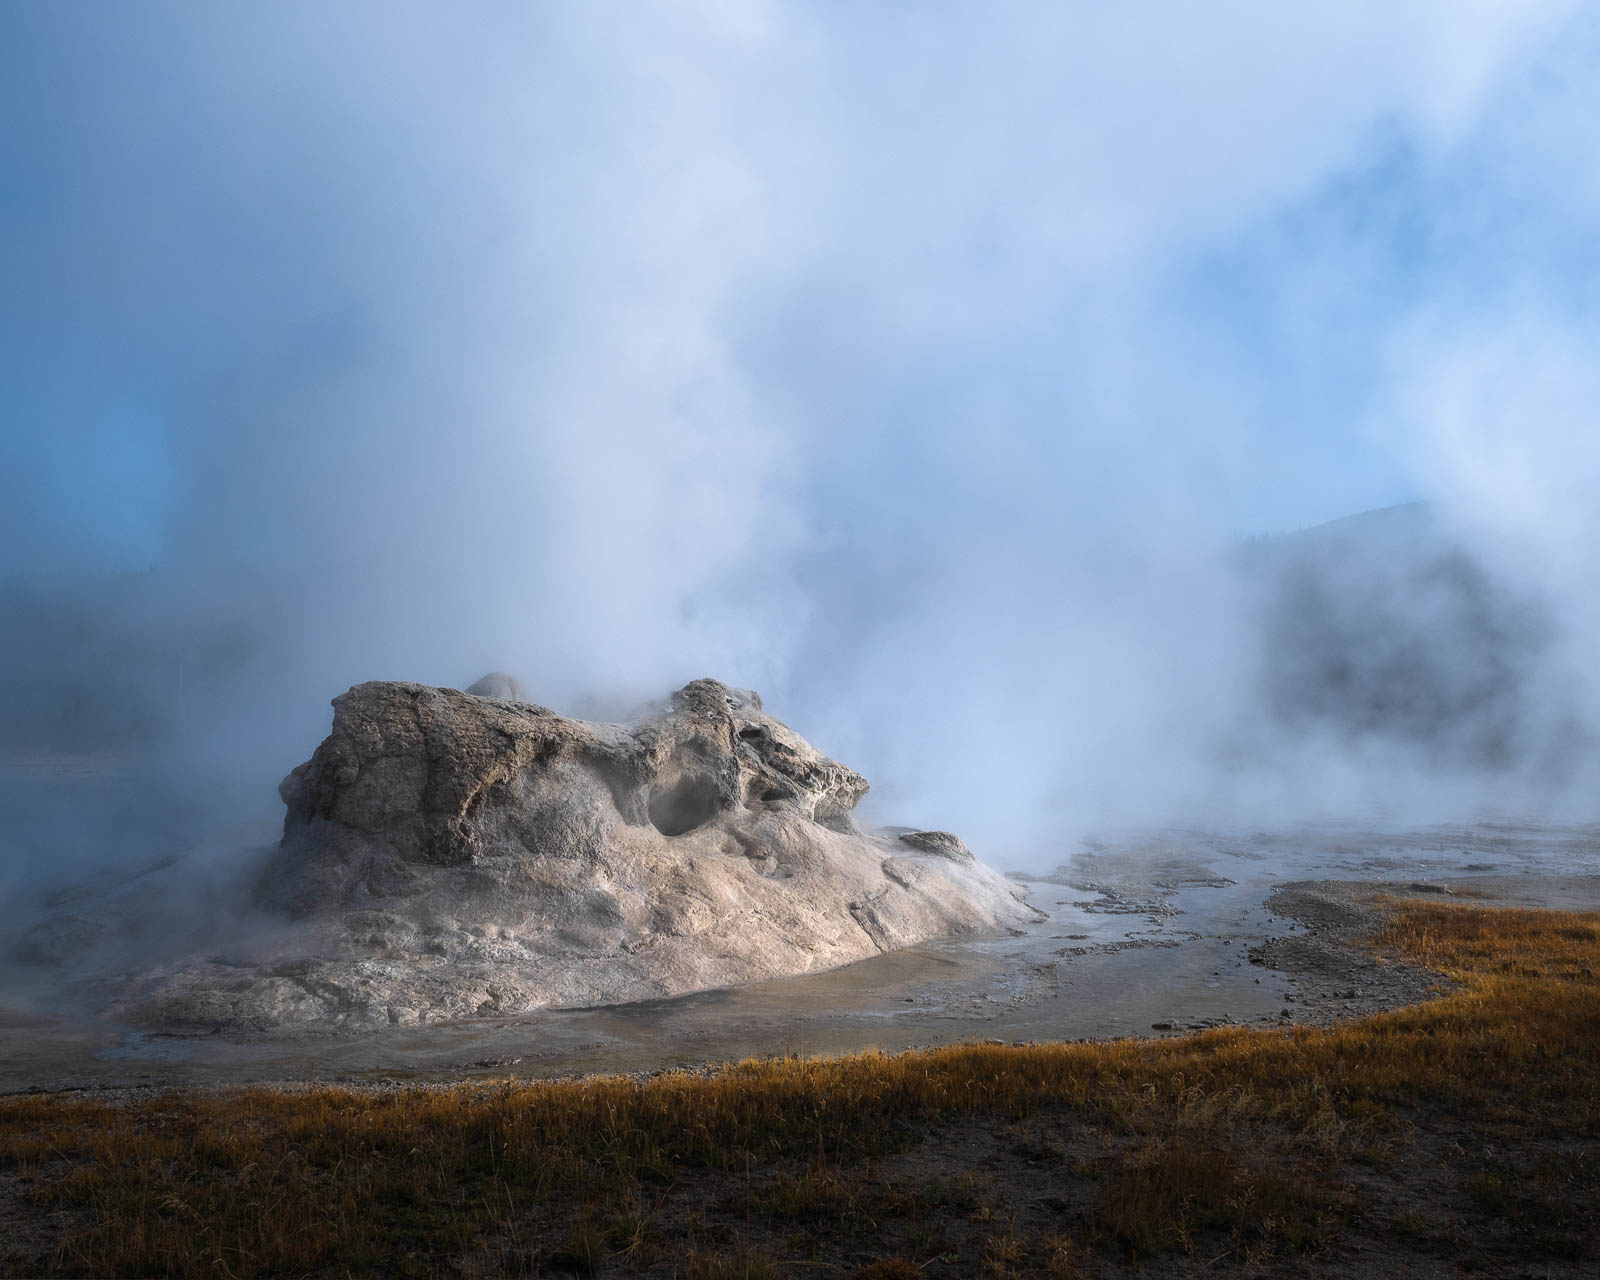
x,y
922,367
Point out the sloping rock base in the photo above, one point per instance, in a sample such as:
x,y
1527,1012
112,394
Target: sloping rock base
x,y
447,855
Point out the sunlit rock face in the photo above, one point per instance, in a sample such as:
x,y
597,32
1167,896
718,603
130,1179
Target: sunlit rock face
x,y
447,854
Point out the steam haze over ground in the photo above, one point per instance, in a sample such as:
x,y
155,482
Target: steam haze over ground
x,y
951,379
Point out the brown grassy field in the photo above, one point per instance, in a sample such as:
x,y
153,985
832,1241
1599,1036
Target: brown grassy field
x,y
1454,1136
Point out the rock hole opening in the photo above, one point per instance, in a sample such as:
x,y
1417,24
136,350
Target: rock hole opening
x,y
690,802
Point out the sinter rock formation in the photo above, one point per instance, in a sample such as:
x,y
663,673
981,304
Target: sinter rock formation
x,y
448,855
497,684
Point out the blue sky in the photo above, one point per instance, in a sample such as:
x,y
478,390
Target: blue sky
x,y
621,343
165,164
125,165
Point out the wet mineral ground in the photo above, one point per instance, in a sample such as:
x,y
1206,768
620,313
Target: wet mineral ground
x,y
1142,935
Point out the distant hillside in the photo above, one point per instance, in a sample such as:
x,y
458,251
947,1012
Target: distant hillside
x,y
104,663
1380,625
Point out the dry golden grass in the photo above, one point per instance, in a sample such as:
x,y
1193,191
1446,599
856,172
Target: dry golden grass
x,y
1480,943
1233,1144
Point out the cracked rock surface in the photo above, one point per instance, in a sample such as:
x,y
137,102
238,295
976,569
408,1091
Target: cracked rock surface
x,y
450,854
